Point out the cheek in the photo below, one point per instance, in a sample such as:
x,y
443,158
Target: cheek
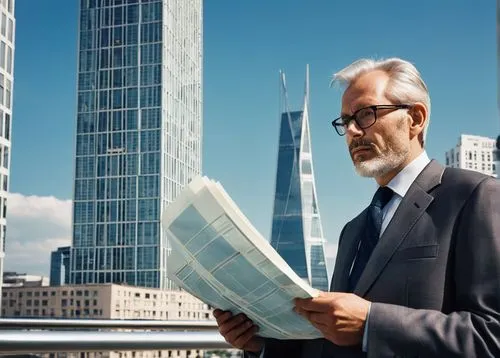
x,y
379,139
397,140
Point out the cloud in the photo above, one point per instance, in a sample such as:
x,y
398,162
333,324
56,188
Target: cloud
x,y
36,225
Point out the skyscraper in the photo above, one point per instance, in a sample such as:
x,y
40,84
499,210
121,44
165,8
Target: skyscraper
x,y
496,152
138,135
59,266
7,45
297,234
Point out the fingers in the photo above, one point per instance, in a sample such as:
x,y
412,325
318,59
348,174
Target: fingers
x,y
222,316
246,336
320,319
235,322
321,327
237,330
318,304
240,334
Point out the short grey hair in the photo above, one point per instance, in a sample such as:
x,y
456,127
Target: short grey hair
x,y
406,84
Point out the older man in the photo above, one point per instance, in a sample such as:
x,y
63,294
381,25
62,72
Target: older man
x,y
418,271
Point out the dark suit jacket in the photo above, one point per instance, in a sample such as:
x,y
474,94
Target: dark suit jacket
x,y
434,277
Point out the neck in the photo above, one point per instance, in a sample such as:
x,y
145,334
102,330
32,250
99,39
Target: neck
x,y
383,180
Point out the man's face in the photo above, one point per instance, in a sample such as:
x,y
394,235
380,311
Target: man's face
x,y
384,146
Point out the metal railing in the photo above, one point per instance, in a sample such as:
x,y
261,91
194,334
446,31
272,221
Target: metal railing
x,y
44,323
37,335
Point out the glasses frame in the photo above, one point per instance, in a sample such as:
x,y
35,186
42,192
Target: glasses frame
x,y
341,123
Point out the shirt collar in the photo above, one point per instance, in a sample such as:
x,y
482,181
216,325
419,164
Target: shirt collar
x,y
405,178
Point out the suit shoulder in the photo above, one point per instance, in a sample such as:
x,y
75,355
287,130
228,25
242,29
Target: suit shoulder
x,y
463,179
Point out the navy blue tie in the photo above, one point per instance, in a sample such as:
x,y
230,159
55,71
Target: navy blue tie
x,y
371,233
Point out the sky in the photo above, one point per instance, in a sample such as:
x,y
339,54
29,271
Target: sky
x,y
246,44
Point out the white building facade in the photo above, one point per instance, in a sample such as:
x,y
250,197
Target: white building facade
x,y
473,153
108,301
496,157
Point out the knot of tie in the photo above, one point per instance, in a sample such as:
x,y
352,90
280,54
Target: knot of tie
x,y
382,196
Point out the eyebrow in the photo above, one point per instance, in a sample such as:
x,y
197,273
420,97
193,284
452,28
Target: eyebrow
x,y
343,114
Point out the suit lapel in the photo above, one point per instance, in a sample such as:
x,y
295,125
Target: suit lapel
x,y
411,208
348,246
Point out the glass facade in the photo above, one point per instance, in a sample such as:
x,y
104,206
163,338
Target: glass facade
x,y
138,137
297,234
59,266
7,46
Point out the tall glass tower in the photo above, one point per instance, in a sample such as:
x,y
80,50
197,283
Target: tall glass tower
x,y
297,234
138,135
7,42
496,151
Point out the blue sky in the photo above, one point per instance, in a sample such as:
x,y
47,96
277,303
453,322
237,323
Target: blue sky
x,y
246,43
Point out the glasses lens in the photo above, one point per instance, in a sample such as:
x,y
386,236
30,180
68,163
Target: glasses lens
x,y
339,128
365,117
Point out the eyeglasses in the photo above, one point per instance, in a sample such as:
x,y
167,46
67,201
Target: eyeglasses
x,y
364,117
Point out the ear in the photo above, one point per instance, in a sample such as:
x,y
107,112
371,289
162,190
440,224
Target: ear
x,y
419,119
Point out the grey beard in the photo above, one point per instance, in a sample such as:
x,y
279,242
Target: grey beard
x,y
380,166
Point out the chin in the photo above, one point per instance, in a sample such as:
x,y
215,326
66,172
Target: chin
x,y
375,167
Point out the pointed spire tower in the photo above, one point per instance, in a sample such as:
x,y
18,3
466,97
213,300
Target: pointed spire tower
x,y
297,234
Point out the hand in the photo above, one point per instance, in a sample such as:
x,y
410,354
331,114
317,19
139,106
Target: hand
x,y
239,331
339,316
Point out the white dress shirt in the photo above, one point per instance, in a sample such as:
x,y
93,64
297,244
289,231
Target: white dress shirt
x,y
400,185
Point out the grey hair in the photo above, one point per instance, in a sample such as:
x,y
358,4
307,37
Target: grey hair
x,y
406,84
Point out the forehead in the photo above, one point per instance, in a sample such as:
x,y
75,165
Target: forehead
x,y
366,90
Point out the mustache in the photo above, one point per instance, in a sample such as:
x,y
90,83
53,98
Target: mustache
x,y
359,143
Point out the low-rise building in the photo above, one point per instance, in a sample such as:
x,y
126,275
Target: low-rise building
x,y
473,152
106,301
15,279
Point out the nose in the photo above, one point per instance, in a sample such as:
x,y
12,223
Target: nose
x,y
353,130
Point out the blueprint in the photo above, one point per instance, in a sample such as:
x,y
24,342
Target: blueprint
x,y
218,256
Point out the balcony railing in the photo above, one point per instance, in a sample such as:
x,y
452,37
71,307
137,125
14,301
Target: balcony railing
x,y
42,323
39,335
